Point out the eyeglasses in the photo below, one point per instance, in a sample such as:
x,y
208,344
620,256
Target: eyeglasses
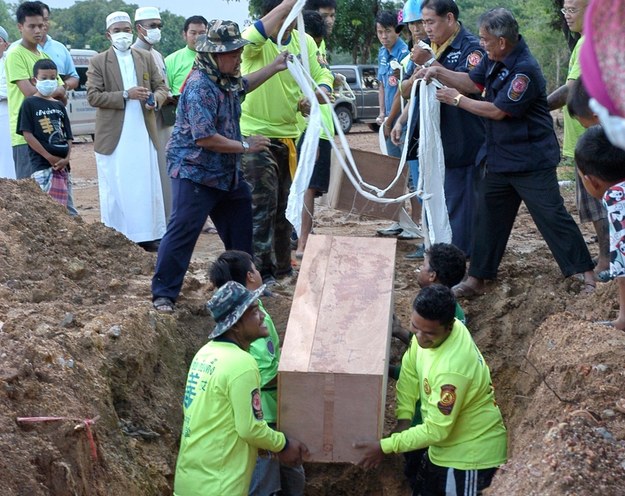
x,y
569,10
152,26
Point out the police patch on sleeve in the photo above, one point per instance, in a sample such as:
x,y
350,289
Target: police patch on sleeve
x,y
518,87
257,406
474,59
448,399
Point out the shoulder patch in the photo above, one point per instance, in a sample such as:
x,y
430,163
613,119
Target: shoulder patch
x,y
474,59
518,86
426,387
257,406
448,399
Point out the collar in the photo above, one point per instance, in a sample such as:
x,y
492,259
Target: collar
x,y
139,43
512,57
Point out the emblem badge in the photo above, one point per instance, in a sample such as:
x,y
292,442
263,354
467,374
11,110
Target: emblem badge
x,y
518,87
448,399
257,406
474,59
426,387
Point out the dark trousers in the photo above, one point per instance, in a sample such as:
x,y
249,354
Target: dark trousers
x,y
459,198
192,203
445,481
270,179
498,201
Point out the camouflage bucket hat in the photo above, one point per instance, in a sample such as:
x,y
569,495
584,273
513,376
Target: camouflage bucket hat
x,y
222,36
228,304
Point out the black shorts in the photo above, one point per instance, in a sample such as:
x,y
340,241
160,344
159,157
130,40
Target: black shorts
x,y
320,178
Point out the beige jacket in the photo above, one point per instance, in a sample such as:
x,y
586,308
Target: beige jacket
x,y
105,92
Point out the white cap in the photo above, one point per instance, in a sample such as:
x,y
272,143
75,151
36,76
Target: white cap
x,y
118,16
3,34
143,13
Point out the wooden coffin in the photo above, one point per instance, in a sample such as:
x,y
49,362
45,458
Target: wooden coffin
x,y
332,373
375,169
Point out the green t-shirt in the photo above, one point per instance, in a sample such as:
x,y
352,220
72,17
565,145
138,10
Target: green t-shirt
x,y
326,110
462,425
271,109
266,352
223,426
178,65
572,128
19,66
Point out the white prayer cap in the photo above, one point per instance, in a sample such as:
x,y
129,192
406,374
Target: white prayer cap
x,y
143,13
3,34
118,16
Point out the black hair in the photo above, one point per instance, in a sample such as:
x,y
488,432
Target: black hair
x,y
320,4
196,19
43,65
386,19
577,101
28,9
436,303
500,23
442,7
232,265
448,261
267,6
596,156
43,6
314,24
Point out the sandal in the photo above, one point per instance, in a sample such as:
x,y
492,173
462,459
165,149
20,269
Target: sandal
x,y
463,290
604,276
163,304
589,288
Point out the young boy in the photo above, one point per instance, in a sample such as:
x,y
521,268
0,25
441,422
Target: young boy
x,y
601,168
269,476
44,123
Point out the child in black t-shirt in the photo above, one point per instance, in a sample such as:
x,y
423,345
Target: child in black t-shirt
x,y
44,123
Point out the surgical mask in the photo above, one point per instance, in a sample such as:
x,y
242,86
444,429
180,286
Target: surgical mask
x,y
121,41
46,87
153,36
613,126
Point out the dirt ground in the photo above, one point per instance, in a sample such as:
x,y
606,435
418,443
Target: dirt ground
x,y
79,341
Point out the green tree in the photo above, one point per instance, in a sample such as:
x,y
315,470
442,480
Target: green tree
x,y
7,20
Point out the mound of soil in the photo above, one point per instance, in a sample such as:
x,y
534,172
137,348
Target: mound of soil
x,y
79,341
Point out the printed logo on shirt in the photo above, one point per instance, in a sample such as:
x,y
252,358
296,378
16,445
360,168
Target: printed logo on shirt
x,y
257,406
448,399
453,57
270,347
392,81
426,387
474,59
518,87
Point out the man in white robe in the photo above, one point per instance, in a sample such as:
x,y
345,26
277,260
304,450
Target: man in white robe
x,y
148,25
126,87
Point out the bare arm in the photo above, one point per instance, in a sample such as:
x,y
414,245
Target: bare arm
x,y
382,113
220,144
71,83
458,80
557,99
26,87
55,162
272,22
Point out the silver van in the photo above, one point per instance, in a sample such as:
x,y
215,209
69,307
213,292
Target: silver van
x,y
81,114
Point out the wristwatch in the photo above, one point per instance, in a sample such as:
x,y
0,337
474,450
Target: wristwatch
x,y
246,146
430,62
457,99
125,95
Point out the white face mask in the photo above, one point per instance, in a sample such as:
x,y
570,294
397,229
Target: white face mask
x,y
153,36
613,126
47,87
121,41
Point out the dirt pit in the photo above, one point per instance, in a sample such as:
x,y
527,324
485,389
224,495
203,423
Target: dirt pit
x,y
79,340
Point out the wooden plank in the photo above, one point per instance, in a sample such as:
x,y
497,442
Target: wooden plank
x,y
332,373
375,169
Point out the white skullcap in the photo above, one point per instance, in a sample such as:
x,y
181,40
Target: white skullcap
x,y
118,16
3,34
143,13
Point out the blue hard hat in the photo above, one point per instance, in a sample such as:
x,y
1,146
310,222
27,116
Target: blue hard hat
x,y
412,11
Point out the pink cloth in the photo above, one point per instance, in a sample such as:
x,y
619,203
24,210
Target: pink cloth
x,y
602,56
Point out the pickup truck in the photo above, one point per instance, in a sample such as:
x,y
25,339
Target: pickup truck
x,y
364,84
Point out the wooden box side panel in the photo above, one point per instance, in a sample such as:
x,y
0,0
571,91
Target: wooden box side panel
x,y
329,412
375,169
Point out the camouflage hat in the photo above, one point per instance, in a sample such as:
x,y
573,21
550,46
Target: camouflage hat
x,y
229,303
221,37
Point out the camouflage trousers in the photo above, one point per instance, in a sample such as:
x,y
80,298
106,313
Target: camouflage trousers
x,y
268,175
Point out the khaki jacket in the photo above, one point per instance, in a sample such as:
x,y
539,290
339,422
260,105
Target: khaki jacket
x,y
105,92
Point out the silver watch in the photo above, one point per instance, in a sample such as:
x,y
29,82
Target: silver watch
x,y
430,62
125,95
246,146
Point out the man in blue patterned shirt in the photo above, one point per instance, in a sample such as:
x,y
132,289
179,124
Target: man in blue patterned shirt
x,y
204,156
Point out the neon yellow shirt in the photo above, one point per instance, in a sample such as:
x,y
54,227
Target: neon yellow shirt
x,y
266,352
271,109
462,424
19,66
223,426
178,65
572,128
326,110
